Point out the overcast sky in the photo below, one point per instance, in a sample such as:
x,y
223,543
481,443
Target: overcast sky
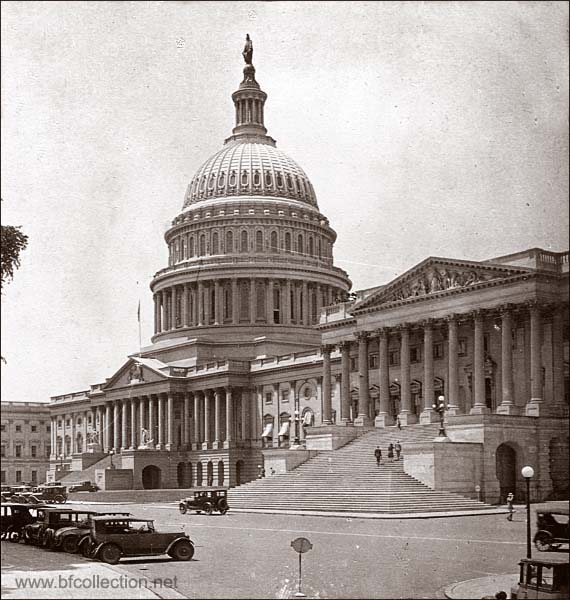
x,y
426,128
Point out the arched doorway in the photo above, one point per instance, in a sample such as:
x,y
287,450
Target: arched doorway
x,y
239,472
506,467
210,473
199,475
151,477
221,472
181,474
190,472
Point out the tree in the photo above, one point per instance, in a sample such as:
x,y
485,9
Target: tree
x,y
12,243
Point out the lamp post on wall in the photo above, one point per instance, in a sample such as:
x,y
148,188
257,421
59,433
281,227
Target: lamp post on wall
x,y
439,408
297,440
528,473
111,452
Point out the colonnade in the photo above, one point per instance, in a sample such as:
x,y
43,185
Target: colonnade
x,y
236,300
533,312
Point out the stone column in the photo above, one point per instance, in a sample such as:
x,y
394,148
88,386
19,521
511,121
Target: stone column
x,y
107,443
217,420
133,423
170,421
207,412
200,304
363,418
384,417
558,360
217,304
52,438
124,423
185,303
269,301
287,303
197,416
479,406
152,432
306,315
452,399
406,416
252,300
186,422
235,301
142,417
507,406
160,422
206,303
345,382
229,417
534,407
116,428
327,399
159,312
244,397
173,307
428,415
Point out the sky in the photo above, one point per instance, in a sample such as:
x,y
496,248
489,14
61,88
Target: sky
x,y
426,128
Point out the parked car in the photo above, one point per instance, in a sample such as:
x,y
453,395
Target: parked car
x,y
50,493
544,577
111,538
14,517
41,533
21,494
69,539
552,528
206,501
84,486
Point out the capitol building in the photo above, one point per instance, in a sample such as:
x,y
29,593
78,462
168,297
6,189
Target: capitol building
x,y
262,357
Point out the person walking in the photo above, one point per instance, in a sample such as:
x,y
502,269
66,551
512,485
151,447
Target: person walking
x,y
378,455
391,452
399,425
398,450
510,500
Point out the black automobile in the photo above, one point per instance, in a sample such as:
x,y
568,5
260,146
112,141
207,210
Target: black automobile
x,y
552,528
84,486
15,517
206,501
42,532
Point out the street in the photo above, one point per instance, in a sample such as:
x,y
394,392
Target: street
x,y
243,555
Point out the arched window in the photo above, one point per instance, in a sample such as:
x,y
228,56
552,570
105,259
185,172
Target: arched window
x,y
215,243
176,251
244,242
276,304
229,242
300,248
319,248
311,247
233,179
191,249
287,242
202,245
227,303
274,241
314,315
293,305
259,241
244,301
182,248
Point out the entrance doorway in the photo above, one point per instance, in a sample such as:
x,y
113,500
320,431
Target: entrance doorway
x,y
151,477
506,467
221,472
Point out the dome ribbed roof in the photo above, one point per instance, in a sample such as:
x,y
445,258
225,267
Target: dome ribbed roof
x,y
250,168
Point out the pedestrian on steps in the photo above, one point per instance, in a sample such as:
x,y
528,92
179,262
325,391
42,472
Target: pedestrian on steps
x,y
378,455
510,500
398,450
391,452
398,424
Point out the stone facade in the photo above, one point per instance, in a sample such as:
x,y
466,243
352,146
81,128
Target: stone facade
x,y
259,349
25,442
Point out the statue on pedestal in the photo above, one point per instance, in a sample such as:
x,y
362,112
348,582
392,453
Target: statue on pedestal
x,y
248,50
146,442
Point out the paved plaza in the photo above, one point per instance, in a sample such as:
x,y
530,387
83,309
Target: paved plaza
x,y
244,555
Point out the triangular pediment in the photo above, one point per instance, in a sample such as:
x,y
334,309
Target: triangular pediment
x,y
435,276
137,371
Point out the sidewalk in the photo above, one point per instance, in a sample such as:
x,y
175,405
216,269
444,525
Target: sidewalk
x,y
475,589
80,581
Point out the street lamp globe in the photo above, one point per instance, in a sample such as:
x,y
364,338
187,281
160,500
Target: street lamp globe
x,y
441,399
527,472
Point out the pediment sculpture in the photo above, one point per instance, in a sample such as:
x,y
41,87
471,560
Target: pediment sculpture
x,y
136,373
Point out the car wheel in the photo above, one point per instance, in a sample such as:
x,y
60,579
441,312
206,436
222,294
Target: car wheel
x,y
207,508
59,499
182,550
110,554
70,544
182,508
86,548
223,506
543,541
12,535
47,540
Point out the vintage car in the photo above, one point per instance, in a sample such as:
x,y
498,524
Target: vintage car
x,y
22,494
552,528
111,538
545,577
206,501
84,486
50,493
41,533
69,538
14,517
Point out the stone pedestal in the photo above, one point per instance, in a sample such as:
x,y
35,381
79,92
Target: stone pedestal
x,y
361,421
205,445
217,445
507,409
383,420
480,409
428,416
534,409
93,447
451,411
407,418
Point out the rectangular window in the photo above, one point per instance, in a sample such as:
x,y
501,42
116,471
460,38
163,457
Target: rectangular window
x,y
438,350
3,451
34,451
48,450
284,395
34,428
67,422
18,428
268,398
18,451
34,476
415,354
2,427
394,357
3,476
354,363
18,476
373,361
462,343
48,428
486,343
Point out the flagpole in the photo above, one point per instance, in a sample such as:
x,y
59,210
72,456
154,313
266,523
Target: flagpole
x,y
139,320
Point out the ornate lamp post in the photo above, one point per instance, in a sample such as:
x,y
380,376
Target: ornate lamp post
x,y
61,457
297,440
528,473
111,452
439,408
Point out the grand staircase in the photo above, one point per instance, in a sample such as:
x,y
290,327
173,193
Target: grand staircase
x,y
88,474
348,480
